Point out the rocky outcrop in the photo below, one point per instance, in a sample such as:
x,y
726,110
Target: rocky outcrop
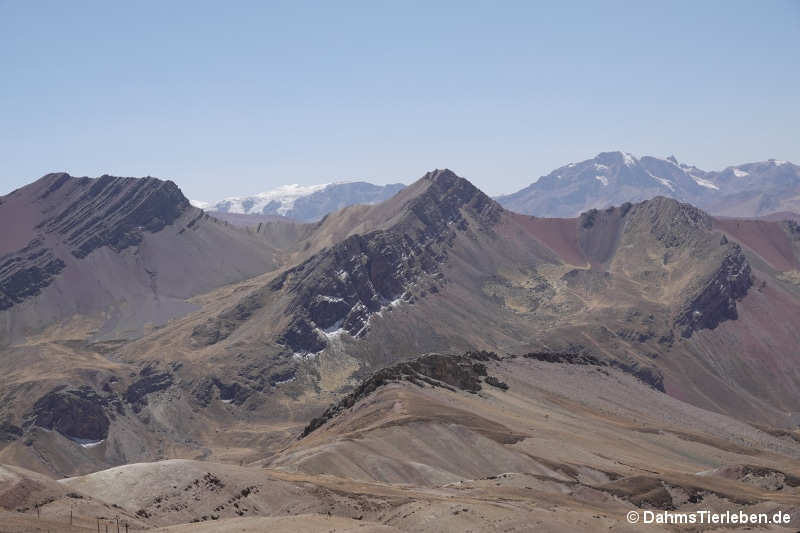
x,y
672,223
793,229
761,476
116,212
148,383
75,413
715,300
25,273
452,372
647,374
9,432
343,285
234,392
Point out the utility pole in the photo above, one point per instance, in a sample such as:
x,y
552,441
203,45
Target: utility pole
x,y
98,525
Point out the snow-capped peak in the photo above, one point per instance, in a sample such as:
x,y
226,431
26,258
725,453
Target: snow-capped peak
x,y
200,204
285,195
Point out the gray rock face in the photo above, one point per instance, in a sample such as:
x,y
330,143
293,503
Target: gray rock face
x,y
76,413
27,272
716,301
613,178
307,204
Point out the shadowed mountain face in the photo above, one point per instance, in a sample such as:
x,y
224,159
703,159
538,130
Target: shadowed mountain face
x,y
673,307
613,178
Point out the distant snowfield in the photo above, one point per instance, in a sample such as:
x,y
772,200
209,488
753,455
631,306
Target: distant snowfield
x,y
200,204
285,195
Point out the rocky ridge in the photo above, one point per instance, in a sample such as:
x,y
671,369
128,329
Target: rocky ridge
x,y
338,289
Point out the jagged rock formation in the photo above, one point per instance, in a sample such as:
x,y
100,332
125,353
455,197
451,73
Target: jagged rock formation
x,y
113,212
462,372
342,286
148,383
672,223
716,299
25,273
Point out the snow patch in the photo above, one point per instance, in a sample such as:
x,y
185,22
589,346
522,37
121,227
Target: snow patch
x,y
628,159
86,443
333,299
600,166
282,381
663,181
228,401
199,204
740,173
704,182
602,179
778,162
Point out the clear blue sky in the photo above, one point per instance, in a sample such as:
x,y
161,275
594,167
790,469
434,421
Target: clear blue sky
x,y
238,97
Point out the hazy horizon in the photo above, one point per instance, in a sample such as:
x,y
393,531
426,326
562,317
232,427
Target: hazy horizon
x,y
239,100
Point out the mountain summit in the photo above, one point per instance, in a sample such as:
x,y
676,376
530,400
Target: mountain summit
x,y
613,178
304,203
129,249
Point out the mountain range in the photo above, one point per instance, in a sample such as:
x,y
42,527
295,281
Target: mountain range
x,y
436,361
613,178
304,203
